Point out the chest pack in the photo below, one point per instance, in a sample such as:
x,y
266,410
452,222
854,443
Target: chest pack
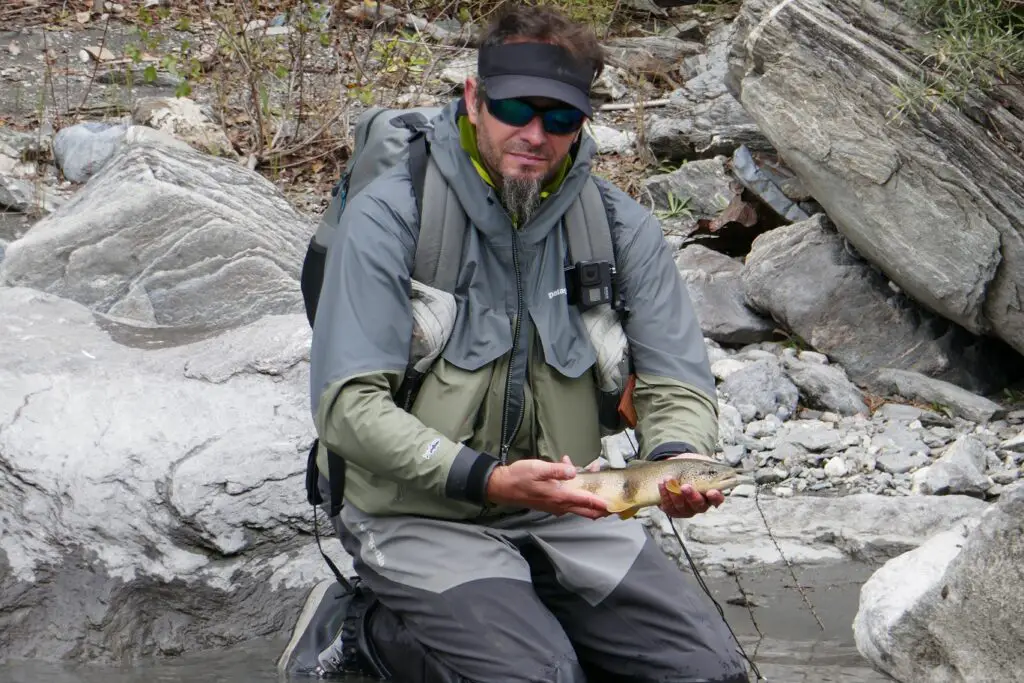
x,y
387,137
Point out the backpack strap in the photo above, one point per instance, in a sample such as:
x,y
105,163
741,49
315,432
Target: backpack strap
x,y
586,224
443,223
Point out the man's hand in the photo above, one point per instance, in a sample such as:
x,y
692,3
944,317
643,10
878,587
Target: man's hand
x,y
688,502
535,484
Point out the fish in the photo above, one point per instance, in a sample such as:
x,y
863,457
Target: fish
x,y
629,489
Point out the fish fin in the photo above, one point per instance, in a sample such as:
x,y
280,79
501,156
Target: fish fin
x,y
617,507
673,486
628,513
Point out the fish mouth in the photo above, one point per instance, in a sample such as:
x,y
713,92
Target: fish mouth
x,y
731,481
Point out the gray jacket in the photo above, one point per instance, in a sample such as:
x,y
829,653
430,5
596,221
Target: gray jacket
x,y
518,369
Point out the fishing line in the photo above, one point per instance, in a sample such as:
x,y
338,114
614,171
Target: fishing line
x,y
707,591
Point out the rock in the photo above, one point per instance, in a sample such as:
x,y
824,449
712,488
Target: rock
x,y
459,69
726,366
612,140
836,468
811,530
19,194
761,389
185,120
168,237
704,185
826,387
914,385
82,149
176,479
730,424
610,85
899,412
704,118
960,469
714,285
948,611
803,276
929,199
764,180
649,54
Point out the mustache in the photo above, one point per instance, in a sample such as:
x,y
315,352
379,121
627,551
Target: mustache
x,y
526,148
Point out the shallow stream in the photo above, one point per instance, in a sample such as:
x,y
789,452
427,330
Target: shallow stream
x,y
793,649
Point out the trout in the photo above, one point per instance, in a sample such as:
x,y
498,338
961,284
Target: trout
x,y
627,490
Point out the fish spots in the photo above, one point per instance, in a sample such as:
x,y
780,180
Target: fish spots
x,y
630,488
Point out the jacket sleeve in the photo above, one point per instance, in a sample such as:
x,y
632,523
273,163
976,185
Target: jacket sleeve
x,y
675,397
360,349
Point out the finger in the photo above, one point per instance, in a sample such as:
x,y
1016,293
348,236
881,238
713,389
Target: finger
x,y
588,512
550,470
582,499
715,497
594,466
693,499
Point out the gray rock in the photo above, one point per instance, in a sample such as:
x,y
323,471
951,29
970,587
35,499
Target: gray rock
x,y
185,120
612,140
826,387
931,200
176,479
812,436
169,237
761,389
730,424
812,530
949,611
704,184
84,148
714,284
647,54
704,118
914,385
898,412
25,196
803,276
960,469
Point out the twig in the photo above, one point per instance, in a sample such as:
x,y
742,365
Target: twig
x,y
792,572
96,66
620,106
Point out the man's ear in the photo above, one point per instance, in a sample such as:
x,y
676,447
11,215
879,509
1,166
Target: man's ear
x,y
469,94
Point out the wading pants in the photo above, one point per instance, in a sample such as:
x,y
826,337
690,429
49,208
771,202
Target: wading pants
x,y
533,598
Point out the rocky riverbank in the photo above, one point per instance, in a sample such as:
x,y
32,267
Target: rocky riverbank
x,y
854,281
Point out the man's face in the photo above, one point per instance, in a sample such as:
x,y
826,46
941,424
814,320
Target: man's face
x,y
520,159
523,153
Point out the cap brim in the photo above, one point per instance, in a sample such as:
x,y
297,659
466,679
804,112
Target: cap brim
x,y
506,86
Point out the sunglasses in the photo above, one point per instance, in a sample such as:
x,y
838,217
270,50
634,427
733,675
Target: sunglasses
x,y
560,120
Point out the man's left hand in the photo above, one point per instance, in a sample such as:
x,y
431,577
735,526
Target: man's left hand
x,y
688,502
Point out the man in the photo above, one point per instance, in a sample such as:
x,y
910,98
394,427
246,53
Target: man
x,y
474,564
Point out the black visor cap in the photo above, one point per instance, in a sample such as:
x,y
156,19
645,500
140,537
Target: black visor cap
x,y
536,70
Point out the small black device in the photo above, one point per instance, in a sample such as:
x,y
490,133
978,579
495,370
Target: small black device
x,y
592,283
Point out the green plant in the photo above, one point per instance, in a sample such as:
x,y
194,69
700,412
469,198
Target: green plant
x,y
676,207
970,46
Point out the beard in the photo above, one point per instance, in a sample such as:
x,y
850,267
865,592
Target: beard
x,y
521,197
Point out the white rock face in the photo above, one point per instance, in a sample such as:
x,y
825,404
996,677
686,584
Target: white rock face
x,y
170,237
172,475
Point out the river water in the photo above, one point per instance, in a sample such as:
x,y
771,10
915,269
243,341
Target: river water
x,y
791,647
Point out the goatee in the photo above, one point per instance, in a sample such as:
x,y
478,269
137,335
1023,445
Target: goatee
x,y
521,197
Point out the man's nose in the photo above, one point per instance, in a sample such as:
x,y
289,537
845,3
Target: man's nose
x,y
533,132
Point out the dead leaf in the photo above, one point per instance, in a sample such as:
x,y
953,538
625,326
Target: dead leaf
x,y
83,17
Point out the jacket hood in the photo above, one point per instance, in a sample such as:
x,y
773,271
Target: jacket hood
x,y
480,200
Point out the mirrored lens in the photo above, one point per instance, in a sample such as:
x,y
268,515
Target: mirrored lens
x,y
515,112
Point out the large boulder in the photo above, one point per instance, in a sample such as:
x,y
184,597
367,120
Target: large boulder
x,y
170,237
949,611
151,500
936,201
804,276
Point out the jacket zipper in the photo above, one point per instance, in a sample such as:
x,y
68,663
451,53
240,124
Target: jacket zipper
x,y
506,438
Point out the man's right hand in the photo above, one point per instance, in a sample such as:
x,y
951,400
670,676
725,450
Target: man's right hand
x,y
534,484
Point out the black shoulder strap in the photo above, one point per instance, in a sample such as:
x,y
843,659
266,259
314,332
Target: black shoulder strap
x,y
587,227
